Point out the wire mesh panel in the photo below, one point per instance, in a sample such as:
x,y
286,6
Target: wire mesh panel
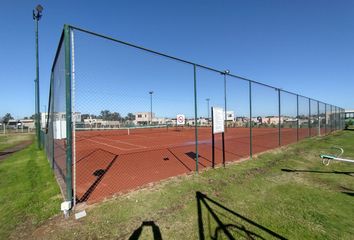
x,y
328,118
237,135
335,118
303,117
48,123
139,116
338,118
314,118
322,118
288,118
210,93
265,118
58,115
134,121
343,118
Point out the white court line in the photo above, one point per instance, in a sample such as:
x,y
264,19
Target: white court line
x,y
109,145
123,142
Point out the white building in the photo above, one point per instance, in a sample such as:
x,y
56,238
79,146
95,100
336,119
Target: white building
x,y
144,118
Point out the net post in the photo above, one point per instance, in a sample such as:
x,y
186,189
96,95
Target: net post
x,y
195,118
68,177
250,103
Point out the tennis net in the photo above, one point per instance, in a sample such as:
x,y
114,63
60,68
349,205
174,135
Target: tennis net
x,y
109,131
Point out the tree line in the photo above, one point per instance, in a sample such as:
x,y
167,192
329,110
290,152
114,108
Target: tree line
x,y
7,117
109,116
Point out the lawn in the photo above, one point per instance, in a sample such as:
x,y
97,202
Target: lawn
x,y
29,194
287,193
10,140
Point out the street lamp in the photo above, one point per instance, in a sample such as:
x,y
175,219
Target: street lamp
x,y
151,92
37,14
208,99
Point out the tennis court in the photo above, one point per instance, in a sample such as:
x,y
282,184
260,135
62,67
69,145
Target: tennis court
x,y
115,161
112,104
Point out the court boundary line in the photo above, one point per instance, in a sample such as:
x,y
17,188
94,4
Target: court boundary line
x,y
109,145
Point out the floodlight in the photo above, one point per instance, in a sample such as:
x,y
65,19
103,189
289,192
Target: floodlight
x,y
39,8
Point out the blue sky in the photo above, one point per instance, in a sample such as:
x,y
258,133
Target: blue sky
x,y
301,46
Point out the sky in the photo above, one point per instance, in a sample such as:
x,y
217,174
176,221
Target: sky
x,y
304,47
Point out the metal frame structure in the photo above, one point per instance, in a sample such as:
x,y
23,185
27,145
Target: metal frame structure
x,y
66,41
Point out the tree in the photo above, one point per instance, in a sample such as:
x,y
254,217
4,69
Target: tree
x,y
33,116
108,116
130,117
7,118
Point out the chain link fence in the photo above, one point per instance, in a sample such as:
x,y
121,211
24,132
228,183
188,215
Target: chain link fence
x,y
123,116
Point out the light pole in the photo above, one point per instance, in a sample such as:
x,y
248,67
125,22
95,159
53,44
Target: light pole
x,y
37,14
151,92
208,99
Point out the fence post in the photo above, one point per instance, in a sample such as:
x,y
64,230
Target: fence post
x,y
250,102
195,118
279,117
318,118
68,179
297,117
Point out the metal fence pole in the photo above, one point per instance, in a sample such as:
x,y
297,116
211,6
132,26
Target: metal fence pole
x,y
37,100
318,118
279,117
331,119
250,102
225,101
297,117
68,179
195,118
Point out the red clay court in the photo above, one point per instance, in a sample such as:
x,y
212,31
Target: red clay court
x,y
112,161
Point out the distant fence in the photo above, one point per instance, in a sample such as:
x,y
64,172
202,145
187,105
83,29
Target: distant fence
x,y
112,124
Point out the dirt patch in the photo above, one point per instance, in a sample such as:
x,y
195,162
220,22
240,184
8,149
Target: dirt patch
x,y
7,152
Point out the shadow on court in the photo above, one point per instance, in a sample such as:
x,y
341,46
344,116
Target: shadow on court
x,y
147,225
216,221
94,172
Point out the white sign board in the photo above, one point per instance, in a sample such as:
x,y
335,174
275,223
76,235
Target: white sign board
x,y
181,119
218,120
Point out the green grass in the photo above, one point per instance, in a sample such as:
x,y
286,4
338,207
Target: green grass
x,y
10,140
306,201
29,194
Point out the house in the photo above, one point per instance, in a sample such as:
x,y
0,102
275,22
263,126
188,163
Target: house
x,y
144,118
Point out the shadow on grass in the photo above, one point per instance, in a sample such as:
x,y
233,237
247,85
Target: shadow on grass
x,y
155,230
228,223
349,193
349,173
